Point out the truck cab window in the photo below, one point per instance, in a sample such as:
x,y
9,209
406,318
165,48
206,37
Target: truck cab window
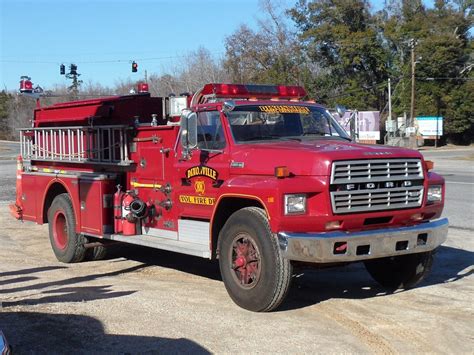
x,y
316,123
210,132
274,122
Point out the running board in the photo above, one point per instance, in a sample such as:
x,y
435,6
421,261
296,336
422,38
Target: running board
x,y
164,244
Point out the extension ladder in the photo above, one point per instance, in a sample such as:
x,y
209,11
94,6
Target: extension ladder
x,y
80,144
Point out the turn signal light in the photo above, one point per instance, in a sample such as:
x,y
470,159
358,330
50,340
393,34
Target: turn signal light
x,y
429,165
282,172
417,217
333,225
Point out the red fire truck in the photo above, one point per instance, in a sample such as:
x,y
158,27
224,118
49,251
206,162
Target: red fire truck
x,y
250,174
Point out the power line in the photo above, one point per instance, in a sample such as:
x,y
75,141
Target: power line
x,y
26,61
443,78
105,61
349,92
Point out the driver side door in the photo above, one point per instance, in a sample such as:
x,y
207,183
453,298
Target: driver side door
x,y
200,176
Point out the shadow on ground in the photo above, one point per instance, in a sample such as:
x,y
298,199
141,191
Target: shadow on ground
x,y
313,286
309,286
65,333
169,260
353,282
33,270
65,290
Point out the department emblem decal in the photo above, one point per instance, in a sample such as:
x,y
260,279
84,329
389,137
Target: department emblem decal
x,y
200,187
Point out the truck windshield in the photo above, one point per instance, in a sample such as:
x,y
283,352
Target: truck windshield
x,y
276,122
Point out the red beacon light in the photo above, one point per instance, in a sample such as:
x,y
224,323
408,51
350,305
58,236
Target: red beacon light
x,y
291,92
143,87
253,91
26,86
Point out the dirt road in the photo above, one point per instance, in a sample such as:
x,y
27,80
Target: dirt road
x,y
141,300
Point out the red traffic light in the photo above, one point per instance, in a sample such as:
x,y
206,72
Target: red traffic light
x,y
134,67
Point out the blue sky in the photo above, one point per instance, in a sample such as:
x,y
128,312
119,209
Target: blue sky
x,y
37,36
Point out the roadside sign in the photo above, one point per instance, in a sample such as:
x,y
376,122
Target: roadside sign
x,y
390,126
429,126
367,123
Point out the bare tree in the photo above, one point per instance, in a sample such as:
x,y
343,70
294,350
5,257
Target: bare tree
x,y
269,54
187,75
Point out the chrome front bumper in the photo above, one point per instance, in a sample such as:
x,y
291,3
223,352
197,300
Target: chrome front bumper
x,y
363,245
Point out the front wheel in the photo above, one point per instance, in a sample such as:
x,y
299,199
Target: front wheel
x,y
255,274
68,246
404,271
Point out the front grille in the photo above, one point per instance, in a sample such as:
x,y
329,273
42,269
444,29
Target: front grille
x,y
376,200
352,171
376,185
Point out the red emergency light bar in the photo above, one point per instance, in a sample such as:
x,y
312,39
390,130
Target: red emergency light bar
x,y
257,91
26,86
143,87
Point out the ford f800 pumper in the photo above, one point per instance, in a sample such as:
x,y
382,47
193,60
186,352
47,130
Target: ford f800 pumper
x,y
249,174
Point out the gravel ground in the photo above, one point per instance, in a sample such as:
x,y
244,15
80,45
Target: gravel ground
x,y
149,301
142,300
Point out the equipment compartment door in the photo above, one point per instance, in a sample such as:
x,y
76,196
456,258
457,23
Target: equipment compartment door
x,y
95,197
30,197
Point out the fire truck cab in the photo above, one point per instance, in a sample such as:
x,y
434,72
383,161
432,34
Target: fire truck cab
x,y
250,174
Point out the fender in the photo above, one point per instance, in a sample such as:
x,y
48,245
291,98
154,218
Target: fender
x,y
74,200
264,189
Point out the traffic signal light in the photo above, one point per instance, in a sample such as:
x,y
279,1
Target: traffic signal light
x,y
134,67
73,69
62,69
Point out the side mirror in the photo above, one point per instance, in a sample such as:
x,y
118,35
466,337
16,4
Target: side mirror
x,y
188,132
341,110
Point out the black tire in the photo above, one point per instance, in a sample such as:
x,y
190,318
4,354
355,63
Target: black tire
x,y
247,231
96,253
404,271
68,246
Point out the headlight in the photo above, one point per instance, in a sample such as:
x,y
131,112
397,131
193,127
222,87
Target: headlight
x,y
435,193
295,204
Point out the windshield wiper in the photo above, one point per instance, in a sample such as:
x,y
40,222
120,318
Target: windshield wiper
x,y
258,138
313,133
346,138
324,135
291,139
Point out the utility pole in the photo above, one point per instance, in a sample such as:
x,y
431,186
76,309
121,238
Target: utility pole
x,y
413,65
74,76
389,99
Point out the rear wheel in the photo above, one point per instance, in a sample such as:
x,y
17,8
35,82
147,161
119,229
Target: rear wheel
x,y
68,246
96,253
404,271
255,274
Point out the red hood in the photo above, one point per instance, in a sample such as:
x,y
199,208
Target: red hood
x,y
308,157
